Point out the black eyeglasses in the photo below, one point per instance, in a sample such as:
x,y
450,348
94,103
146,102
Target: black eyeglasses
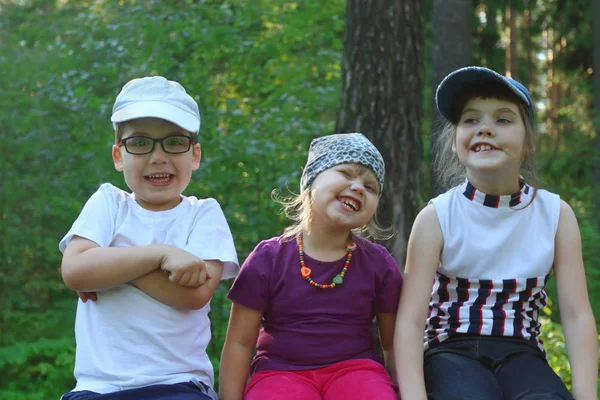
x,y
175,144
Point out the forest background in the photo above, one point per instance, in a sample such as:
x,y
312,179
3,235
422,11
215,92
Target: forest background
x,y
269,76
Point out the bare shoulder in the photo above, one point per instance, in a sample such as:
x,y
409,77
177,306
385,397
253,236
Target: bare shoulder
x,y
426,242
567,222
567,242
427,224
566,210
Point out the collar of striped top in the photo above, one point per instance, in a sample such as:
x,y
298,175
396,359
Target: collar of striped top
x,y
495,201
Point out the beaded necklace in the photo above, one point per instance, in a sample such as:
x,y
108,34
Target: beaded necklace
x,y
337,280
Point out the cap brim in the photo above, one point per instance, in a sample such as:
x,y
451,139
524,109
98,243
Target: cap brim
x,y
157,109
450,88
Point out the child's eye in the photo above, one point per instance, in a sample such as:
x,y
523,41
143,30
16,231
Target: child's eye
x,y
139,142
469,120
504,120
370,188
173,141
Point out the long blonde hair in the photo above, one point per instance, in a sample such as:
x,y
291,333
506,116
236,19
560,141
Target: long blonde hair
x,y
449,169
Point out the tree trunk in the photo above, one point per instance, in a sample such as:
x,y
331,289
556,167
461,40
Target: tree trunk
x,y
382,97
512,58
451,23
529,49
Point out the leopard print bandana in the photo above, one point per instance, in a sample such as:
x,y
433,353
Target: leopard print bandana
x,y
328,151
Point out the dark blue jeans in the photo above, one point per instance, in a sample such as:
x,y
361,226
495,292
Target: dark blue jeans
x,y
179,391
470,367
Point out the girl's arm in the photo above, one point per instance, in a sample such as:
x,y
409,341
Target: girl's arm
x,y
422,260
240,341
576,314
386,323
157,285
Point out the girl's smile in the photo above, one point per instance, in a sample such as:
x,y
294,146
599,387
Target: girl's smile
x,y
345,197
350,203
489,141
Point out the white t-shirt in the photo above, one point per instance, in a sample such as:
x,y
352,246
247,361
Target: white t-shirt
x,y
127,339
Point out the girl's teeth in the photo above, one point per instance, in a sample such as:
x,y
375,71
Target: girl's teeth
x,y
484,147
350,204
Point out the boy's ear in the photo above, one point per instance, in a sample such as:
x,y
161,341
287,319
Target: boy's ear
x,y
197,156
118,160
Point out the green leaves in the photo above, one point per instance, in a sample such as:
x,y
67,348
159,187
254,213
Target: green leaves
x,y
266,77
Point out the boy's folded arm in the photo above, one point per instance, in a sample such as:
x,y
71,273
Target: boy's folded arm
x,y
157,285
87,267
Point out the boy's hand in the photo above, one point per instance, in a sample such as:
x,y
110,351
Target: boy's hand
x,y
185,269
85,296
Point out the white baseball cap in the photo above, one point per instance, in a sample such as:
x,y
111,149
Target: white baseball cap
x,y
156,97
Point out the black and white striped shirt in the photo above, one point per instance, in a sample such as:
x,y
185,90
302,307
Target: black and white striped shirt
x,y
496,260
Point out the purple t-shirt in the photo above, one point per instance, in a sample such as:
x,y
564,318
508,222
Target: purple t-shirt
x,y
304,327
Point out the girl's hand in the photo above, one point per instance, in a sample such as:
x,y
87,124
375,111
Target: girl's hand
x,y
185,269
85,296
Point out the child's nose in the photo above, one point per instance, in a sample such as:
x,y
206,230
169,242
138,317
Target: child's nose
x,y
484,130
357,186
158,155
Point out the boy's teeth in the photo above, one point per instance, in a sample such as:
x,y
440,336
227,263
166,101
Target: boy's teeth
x,y
159,177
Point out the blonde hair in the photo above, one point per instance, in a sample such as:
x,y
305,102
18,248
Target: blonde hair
x,y
297,208
451,172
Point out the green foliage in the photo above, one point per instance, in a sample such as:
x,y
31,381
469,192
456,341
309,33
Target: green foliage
x,y
266,74
37,369
556,351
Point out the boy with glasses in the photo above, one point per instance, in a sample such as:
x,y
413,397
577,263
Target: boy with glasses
x,y
149,260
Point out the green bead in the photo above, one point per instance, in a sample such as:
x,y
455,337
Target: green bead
x,y
338,280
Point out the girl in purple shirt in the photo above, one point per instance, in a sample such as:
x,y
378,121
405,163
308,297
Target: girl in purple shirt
x,y
306,299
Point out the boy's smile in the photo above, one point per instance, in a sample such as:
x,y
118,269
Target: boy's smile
x,y
160,179
157,179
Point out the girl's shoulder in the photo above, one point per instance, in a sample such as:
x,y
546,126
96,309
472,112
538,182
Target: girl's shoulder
x,y
273,245
370,248
545,195
448,196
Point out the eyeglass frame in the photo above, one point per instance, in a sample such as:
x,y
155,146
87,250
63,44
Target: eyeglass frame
x,y
123,143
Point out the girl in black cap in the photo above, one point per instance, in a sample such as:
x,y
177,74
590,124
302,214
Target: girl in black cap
x,y
489,245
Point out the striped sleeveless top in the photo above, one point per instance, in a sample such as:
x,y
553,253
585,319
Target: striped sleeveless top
x,y
496,260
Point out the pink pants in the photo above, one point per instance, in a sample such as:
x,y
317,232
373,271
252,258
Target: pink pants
x,y
355,379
